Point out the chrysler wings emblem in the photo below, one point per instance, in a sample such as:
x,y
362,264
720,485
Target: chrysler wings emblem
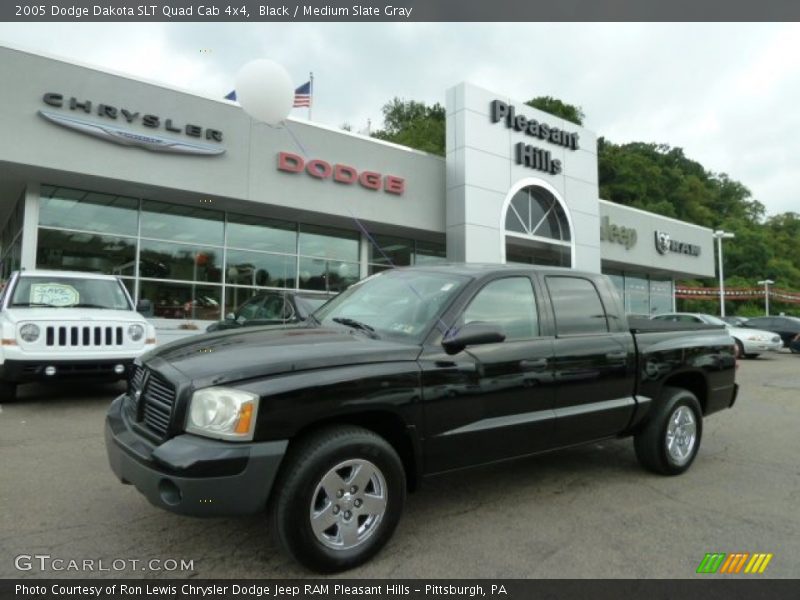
x,y
118,135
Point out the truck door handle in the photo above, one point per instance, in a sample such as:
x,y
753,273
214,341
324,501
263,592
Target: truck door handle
x,y
616,355
530,365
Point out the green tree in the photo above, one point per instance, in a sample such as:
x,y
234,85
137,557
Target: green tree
x,y
414,124
554,106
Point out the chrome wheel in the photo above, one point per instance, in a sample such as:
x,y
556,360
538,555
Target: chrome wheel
x,y
681,435
348,504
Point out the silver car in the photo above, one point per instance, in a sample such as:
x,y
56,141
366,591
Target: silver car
x,y
749,342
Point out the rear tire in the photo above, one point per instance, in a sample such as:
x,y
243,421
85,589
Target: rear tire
x,y
670,439
8,391
338,498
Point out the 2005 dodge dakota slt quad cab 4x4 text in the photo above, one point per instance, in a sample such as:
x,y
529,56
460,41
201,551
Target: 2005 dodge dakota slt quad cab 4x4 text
x,y
412,372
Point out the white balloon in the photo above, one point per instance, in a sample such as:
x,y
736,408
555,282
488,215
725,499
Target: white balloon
x,y
265,91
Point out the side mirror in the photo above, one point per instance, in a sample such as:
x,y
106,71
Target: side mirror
x,y
472,334
144,306
230,317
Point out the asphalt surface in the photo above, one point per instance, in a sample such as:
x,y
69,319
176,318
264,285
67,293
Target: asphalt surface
x,y
586,512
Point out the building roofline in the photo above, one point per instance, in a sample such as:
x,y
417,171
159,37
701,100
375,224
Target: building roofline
x,y
109,71
652,214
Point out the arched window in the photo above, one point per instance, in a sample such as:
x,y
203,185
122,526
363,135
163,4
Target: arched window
x,y
537,229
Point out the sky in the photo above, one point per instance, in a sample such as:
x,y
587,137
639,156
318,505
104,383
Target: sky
x,y
727,93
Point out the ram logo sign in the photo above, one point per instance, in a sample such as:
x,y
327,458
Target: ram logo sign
x,y
734,563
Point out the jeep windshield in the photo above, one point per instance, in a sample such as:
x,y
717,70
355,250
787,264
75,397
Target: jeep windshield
x,y
69,292
394,304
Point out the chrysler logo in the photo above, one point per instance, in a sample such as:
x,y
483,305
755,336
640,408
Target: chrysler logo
x,y
126,137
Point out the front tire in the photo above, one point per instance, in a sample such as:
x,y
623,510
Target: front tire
x,y
669,442
338,499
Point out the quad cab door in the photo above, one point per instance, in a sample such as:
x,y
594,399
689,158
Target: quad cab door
x,y
490,401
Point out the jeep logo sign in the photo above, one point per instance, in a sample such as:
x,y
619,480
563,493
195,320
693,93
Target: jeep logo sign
x,y
626,236
320,169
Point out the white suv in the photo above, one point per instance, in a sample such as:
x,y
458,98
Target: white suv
x,y
59,325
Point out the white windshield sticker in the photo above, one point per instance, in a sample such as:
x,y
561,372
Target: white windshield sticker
x,y
446,287
54,294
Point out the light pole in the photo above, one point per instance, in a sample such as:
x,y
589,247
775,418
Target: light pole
x,y
720,235
766,283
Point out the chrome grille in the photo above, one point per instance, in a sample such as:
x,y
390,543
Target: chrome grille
x,y
84,336
157,401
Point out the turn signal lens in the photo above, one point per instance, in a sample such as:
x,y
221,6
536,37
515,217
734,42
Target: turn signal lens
x,y
245,417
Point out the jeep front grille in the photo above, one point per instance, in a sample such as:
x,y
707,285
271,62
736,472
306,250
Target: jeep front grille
x,y
84,336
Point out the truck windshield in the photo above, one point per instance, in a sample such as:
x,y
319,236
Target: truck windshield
x,y
401,304
69,292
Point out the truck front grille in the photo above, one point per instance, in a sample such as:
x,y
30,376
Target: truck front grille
x,y
84,336
155,400
158,399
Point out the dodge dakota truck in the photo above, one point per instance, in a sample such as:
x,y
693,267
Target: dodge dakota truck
x,y
58,325
324,426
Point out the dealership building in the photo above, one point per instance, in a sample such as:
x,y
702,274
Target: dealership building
x,y
196,206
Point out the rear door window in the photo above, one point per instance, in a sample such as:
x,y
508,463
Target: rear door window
x,y
577,306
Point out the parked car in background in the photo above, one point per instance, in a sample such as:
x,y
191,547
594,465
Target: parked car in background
x,y
786,327
735,321
271,308
749,342
59,325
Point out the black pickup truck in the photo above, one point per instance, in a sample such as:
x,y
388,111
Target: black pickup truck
x,y
412,372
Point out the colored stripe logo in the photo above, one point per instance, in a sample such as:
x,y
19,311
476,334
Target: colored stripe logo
x,y
734,563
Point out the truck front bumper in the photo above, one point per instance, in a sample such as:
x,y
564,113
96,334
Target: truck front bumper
x,y
23,371
191,475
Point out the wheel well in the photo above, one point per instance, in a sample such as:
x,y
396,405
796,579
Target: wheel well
x,y
387,425
694,382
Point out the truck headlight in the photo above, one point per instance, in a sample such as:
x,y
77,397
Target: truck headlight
x,y
222,413
29,332
136,332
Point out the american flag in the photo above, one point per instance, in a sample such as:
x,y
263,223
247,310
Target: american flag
x,y
302,95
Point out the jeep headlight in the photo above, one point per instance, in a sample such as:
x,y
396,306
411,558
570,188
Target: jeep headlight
x,y
222,413
29,332
136,332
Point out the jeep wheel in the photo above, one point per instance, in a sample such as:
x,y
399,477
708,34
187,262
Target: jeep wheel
x,y
669,441
8,391
338,499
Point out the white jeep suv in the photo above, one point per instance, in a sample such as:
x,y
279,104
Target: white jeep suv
x,y
60,325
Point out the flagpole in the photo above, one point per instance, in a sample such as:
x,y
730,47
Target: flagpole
x,y
310,92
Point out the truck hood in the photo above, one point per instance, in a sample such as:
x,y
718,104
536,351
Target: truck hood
x,y
86,315
247,353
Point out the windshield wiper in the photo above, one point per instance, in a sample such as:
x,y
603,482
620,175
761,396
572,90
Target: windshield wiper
x,y
370,331
29,304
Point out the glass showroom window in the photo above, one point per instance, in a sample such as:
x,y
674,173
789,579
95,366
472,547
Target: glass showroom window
x,y
260,269
183,300
88,231
86,251
400,252
660,296
637,295
256,233
164,260
179,223
329,260
428,253
67,208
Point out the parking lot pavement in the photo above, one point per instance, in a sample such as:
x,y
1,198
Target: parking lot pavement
x,y
584,512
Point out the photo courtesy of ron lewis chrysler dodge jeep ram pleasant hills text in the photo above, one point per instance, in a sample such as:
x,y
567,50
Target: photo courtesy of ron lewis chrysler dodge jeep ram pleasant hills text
x,y
326,424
